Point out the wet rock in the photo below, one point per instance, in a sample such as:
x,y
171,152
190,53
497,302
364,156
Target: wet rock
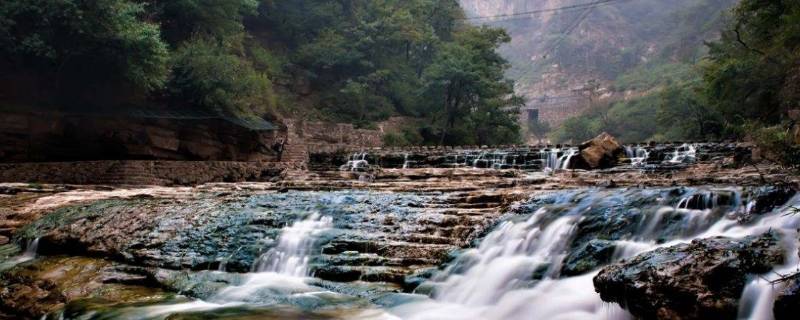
x,y
4,240
29,298
787,303
709,200
599,153
591,255
700,280
42,286
770,197
338,273
414,280
742,156
376,236
201,284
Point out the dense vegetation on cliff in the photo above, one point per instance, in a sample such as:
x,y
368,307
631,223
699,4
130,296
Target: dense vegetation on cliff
x,y
679,37
743,86
347,60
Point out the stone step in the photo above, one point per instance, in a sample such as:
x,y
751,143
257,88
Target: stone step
x,y
363,273
369,259
391,249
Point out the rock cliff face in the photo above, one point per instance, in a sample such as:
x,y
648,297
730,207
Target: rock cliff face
x,y
52,137
33,137
565,60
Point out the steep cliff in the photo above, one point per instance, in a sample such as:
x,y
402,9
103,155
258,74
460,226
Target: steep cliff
x,y
565,60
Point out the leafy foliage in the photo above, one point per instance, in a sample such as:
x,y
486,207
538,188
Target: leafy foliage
x,y
746,85
206,75
353,61
467,75
221,19
749,68
89,41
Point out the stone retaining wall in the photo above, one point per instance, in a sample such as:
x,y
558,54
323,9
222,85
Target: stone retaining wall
x,y
327,137
141,172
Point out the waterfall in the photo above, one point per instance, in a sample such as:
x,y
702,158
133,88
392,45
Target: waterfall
x,y
514,273
29,254
279,273
290,256
552,160
567,158
405,161
478,159
638,155
357,161
499,160
759,294
494,280
284,267
507,256
32,249
686,153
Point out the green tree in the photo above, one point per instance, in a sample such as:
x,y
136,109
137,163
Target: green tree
x,y
219,19
749,70
206,75
574,130
684,114
539,129
467,84
84,41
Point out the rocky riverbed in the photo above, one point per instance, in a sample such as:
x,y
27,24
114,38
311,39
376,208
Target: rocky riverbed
x,y
705,239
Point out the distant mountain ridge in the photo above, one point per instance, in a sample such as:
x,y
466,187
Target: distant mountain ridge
x,y
565,60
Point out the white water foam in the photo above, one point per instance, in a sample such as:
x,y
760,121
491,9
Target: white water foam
x,y
489,282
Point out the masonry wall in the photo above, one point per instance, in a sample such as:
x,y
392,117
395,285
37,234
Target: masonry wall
x,y
327,137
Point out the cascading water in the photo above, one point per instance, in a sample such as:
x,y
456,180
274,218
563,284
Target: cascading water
x,y
529,266
637,155
31,249
686,153
290,256
567,158
505,257
500,160
283,266
358,161
29,254
405,161
279,274
557,159
516,271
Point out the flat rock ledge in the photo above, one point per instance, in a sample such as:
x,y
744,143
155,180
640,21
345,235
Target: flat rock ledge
x,y
699,280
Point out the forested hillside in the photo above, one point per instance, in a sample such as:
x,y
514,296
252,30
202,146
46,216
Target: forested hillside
x,y
615,51
744,87
348,60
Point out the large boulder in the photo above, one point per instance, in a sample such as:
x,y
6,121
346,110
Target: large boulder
x,y
787,303
599,153
699,280
589,256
